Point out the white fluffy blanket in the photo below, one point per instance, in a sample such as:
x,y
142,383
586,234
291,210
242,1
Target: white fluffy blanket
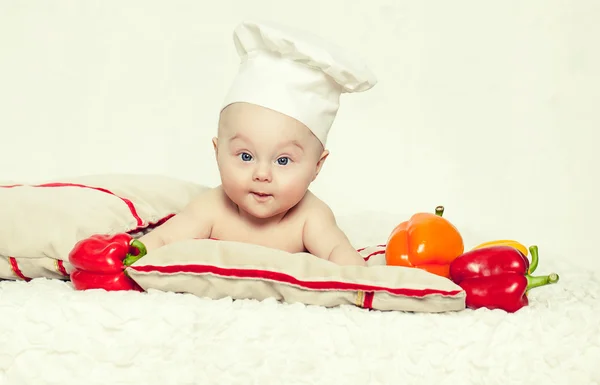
x,y
51,334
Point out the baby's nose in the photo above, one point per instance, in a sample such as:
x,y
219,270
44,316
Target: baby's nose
x,y
262,173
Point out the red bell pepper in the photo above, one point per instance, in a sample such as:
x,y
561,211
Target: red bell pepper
x,y
100,261
498,277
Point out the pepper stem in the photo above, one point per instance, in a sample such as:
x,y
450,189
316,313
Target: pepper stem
x,y
533,250
439,211
130,258
537,281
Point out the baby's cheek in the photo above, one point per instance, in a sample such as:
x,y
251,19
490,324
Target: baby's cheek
x,y
295,185
235,184
234,174
232,180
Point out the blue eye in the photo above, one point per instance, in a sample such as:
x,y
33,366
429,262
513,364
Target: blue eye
x,y
246,157
283,161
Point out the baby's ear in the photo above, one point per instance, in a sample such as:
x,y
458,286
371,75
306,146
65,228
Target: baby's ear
x,y
322,159
215,142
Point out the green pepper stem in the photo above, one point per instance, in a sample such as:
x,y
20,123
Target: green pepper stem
x,y
533,250
130,258
537,281
439,211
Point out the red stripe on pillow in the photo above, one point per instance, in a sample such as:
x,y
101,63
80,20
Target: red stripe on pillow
x,y
14,266
151,225
129,203
368,303
161,221
366,247
60,266
374,253
285,278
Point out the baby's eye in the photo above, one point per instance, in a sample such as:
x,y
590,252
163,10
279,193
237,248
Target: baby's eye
x,y
246,157
283,160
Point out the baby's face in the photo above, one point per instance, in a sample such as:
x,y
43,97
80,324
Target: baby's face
x,y
266,159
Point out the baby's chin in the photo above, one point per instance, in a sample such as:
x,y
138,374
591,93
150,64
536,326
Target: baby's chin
x,y
262,210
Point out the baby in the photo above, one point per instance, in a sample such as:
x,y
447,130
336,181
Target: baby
x,y
270,146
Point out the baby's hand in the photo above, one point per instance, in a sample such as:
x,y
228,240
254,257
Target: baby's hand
x,y
345,254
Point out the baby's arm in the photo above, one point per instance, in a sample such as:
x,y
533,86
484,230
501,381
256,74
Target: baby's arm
x,y
323,238
194,221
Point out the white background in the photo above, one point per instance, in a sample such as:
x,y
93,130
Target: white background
x,y
488,108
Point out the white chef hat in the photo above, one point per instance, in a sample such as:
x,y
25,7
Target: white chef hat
x,y
295,73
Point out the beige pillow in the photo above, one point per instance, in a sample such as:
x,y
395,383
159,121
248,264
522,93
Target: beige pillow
x,y
41,223
219,269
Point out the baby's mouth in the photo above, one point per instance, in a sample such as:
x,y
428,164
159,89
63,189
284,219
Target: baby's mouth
x,y
260,195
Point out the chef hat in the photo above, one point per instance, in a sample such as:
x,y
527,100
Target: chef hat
x,y
295,73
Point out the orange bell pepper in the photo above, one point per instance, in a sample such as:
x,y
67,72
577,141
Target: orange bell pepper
x,y
427,241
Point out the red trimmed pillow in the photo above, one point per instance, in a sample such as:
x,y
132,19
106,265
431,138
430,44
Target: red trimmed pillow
x,y
41,223
220,269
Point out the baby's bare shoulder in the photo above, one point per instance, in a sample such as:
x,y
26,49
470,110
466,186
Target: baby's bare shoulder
x,y
313,208
208,202
194,221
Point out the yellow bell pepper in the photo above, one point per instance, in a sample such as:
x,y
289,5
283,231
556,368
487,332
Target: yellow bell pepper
x,y
504,242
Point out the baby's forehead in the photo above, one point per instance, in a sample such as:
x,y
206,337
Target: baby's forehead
x,y
259,126
267,137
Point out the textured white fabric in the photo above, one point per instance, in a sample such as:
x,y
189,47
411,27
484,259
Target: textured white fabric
x,y
51,334
295,73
